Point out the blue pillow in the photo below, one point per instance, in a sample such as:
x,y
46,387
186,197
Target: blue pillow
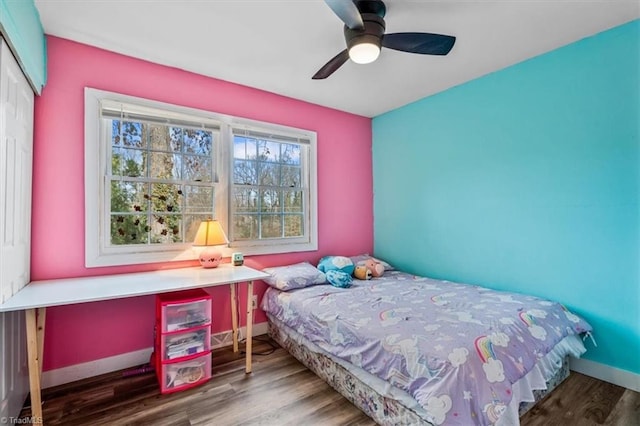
x,y
336,263
339,279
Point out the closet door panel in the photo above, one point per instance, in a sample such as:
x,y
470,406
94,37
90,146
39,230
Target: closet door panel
x,y
16,159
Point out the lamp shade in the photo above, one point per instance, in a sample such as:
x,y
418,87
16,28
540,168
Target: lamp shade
x,y
210,233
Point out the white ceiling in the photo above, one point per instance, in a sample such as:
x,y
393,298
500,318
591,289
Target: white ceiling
x,y
277,45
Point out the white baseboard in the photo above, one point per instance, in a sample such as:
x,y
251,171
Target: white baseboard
x,y
225,338
85,370
75,372
619,377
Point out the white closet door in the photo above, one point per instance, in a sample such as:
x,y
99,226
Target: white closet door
x,y
16,150
16,159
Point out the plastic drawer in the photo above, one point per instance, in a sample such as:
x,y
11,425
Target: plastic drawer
x,y
185,315
177,376
186,343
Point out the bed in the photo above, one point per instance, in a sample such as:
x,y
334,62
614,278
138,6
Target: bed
x,y
407,349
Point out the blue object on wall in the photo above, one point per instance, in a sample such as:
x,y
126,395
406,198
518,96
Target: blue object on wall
x,y
21,27
526,180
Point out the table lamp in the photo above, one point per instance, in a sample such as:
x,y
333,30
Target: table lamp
x,y
210,234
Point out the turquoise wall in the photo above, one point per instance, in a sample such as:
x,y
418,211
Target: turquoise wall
x,y
526,180
21,27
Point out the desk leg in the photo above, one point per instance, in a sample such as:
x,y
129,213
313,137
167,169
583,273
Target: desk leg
x,y
234,316
249,325
40,321
33,352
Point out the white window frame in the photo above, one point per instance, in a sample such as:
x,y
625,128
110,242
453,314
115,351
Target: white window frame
x,y
97,251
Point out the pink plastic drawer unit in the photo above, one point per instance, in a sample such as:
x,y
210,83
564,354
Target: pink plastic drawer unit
x,y
184,374
186,343
182,344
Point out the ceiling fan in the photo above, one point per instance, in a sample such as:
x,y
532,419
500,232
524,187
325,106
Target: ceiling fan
x,y
364,33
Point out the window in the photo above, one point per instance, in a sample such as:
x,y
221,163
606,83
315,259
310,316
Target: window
x,y
153,171
269,187
159,176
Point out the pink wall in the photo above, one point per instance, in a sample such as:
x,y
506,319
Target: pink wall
x,y
86,332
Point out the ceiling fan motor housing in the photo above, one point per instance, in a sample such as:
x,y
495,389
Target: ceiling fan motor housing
x,y
372,33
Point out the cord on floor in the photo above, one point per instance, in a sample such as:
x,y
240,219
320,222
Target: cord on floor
x,y
266,340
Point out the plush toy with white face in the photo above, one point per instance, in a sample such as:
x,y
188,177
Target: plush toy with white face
x,y
376,268
362,272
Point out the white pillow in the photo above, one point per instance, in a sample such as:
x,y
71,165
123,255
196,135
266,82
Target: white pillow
x,y
298,275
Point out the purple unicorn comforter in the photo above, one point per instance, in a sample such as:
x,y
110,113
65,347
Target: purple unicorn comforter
x,y
456,348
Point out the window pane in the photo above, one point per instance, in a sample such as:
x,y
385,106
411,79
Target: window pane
x,y
199,199
129,196
293,226
197,169
290,154
128,229
268,151
164,166
271,226
175,135
132,134
191,224
269,174
197,141
165,229
245,172
115,132
243,148
128,162
293,201
245,227
291,176
166,197
158,137
270,200
245,200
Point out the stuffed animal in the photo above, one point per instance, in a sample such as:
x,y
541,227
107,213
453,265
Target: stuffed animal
x,y
362,272
376,268
338,270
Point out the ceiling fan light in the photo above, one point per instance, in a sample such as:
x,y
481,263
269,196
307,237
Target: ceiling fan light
x,y
364,53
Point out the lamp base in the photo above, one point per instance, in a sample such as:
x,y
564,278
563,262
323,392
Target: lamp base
x,y
210,257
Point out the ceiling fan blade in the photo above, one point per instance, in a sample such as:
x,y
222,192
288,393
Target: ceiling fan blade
x,y
423,43
331,66
348,12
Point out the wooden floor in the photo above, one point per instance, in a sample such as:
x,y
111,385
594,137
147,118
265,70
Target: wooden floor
x,y
281,391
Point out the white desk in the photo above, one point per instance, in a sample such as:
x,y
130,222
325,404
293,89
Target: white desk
x,y
36,296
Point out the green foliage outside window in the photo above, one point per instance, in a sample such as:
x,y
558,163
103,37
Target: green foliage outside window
x,y
161,182
268,193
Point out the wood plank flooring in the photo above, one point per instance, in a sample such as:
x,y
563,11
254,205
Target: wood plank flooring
x,y
281,391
